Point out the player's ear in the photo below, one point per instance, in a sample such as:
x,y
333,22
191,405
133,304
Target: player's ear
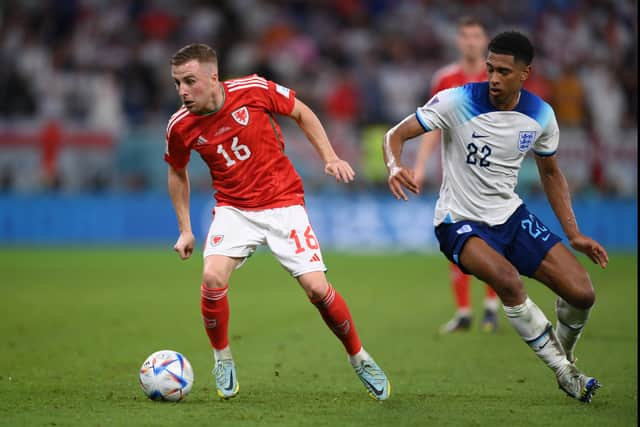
x,y
524,74
212,70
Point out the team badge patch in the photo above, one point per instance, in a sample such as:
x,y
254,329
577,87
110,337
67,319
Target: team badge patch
x,y
241,115
343,328
210,323
216,239
525,140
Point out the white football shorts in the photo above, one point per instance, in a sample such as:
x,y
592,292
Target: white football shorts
x,y
237,233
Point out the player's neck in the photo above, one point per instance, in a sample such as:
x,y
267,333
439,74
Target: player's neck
x,y
217,100
507,104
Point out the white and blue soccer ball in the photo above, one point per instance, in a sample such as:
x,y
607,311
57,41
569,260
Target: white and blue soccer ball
x,y
166,375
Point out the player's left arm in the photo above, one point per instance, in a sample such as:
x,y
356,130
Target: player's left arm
x,y
557,191
313,129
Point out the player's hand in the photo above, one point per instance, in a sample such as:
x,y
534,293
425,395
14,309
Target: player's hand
x,y
184,245
590,248
399,177
340,170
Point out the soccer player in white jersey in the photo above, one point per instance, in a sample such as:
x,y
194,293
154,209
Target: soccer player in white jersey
x,y
481,223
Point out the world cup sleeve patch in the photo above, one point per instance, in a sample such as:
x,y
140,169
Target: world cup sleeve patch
x,y
283,90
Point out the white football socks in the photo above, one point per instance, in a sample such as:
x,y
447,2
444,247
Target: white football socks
x,y
571,320
534,328
463,312
359,357
223,354
491,304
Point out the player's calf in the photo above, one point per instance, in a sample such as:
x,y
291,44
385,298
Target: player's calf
x,y
571,321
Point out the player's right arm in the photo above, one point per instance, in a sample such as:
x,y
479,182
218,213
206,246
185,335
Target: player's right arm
x,y
429,142
179,189
177,156
399,175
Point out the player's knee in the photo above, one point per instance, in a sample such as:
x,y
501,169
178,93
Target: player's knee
x,y
213,279
315,285
509,287
584,295
316,291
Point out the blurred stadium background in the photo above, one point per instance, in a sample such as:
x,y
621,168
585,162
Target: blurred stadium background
x,y
86,94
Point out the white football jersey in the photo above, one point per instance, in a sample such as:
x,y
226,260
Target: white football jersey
x,y
483,148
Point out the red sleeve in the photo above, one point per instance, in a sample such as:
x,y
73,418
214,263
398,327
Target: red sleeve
x,y
177,153
280,99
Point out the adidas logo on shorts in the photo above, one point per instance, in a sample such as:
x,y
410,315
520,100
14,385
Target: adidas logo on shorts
x,y
315,258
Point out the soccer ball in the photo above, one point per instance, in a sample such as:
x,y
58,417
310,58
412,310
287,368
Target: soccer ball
x,y
166,375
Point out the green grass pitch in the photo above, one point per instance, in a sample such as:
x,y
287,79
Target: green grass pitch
x,y
76,324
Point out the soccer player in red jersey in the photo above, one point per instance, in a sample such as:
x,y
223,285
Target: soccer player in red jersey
x,y
259,199
472,43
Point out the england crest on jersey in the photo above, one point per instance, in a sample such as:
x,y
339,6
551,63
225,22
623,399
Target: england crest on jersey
x,y
525,140
241,115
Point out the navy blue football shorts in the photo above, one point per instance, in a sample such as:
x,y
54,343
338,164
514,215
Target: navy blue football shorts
x,y
523,239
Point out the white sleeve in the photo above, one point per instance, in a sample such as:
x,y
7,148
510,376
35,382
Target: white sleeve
x,y
547,143
439,112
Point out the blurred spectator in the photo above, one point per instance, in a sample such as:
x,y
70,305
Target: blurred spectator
x,y
342,103
567,98
50,141
358,63
16,94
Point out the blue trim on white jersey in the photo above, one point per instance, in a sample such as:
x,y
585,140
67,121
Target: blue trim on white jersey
x,y
543,154
448,219
422,123
476,102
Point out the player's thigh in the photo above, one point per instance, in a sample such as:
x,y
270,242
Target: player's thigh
x,y
232,233
564,275
293,242
231,239
217,270
480,259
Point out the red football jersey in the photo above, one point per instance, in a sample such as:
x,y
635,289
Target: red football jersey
x,y
242,145
453,76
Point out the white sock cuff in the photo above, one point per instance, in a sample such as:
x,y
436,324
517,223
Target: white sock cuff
x,y
570,316
463,312
491,304
528,320
517,310
359,357
222,354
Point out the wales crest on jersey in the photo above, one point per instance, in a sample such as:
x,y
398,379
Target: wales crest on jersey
x,y
525,140
241,115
